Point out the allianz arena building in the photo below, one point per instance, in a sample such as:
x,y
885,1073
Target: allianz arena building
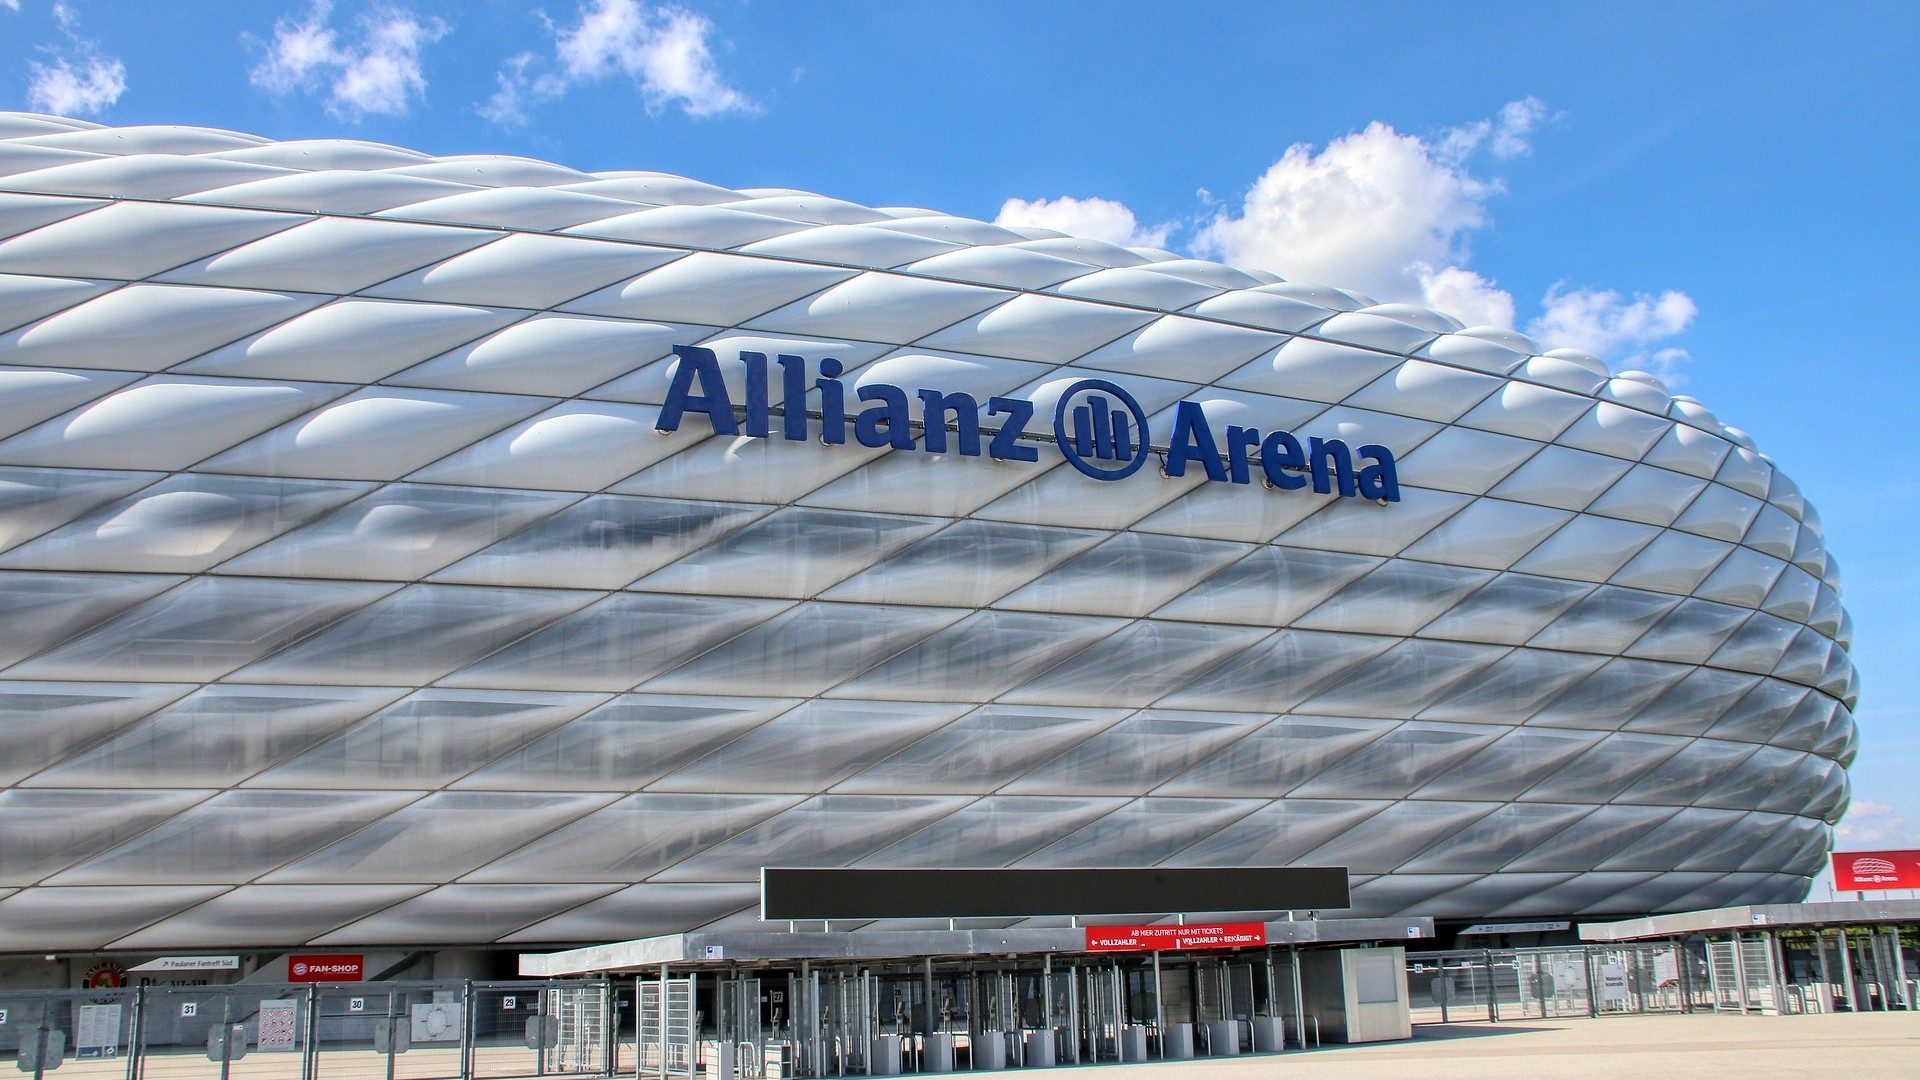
x,y
399,550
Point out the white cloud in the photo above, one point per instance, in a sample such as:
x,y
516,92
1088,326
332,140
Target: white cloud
x,y
83,87
77,80
1871,825
1095,219
1379,211
1603,321
10,5
664,50
1513,132
376,71
1467,296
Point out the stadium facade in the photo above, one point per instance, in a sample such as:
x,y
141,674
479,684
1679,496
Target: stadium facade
x,y
419,551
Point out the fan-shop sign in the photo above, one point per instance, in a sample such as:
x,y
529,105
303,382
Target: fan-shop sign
x,y
1859,871
1175,938
326,967
1097,426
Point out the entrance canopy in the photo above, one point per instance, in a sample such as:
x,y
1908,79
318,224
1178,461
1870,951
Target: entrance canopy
x,y
1755,917
720,948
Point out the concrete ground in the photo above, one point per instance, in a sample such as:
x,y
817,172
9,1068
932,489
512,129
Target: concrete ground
x,y
1869,1046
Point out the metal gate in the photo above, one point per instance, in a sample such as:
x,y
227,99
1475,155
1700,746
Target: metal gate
x,y
580,1013
665,1027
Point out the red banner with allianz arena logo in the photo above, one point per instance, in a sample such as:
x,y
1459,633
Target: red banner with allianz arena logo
x,y
1858,871
1175,938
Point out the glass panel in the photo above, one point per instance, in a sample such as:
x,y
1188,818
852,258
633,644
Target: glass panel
x,y
1592,839
616,643
827,830
1758,645
217,737
1136,755
1582,890
1799,792
1508,610
1138,665
1664,847
1399,761
1513,688
1731,849
235,837
1279,672
44,609
1396,834
1688,775
1611,696
968,564
1270,587
1496,839
983,750
1279,756
1279,833
634,838
427,740
482,912
626,743
604,542
643,911
1693,704
400,532
202,630
1398,598
794,552
985,654
1607,621
184,524
805,649
1398,892
44,722
811,748
271,913
1516,761
1756,780
45,831
1406,679
994,832
416,635
1144,832
35,920
1130,574
442,836
1689,633
33,501
1607,769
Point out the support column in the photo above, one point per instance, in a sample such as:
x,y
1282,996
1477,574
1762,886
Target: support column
x,y
1299,997
1740,970
1846,972
1900,969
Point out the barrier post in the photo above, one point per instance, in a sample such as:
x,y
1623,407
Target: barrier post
x,y
1493,997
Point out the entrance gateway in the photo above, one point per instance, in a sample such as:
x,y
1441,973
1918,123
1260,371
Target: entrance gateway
x,y
812,1001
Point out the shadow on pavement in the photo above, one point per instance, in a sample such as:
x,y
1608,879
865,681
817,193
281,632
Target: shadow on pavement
x,y
1471,1031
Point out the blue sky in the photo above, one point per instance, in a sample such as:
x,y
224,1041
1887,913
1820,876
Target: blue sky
x,y
1722,194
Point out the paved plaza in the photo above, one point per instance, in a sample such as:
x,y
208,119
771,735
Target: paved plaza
x,y
1869,1046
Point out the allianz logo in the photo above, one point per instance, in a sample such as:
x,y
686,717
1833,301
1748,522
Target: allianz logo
x,y
1097,426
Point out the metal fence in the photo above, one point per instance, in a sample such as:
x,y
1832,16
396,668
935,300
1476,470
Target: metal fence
x,y
1577,980
376,1031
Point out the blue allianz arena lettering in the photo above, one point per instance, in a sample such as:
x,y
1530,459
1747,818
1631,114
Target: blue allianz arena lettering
x,y
1097,425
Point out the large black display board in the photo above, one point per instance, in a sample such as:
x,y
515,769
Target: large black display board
x,y
799,893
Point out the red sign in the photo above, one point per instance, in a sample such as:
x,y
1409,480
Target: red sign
x,y
1856,871
326,967
1238,935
